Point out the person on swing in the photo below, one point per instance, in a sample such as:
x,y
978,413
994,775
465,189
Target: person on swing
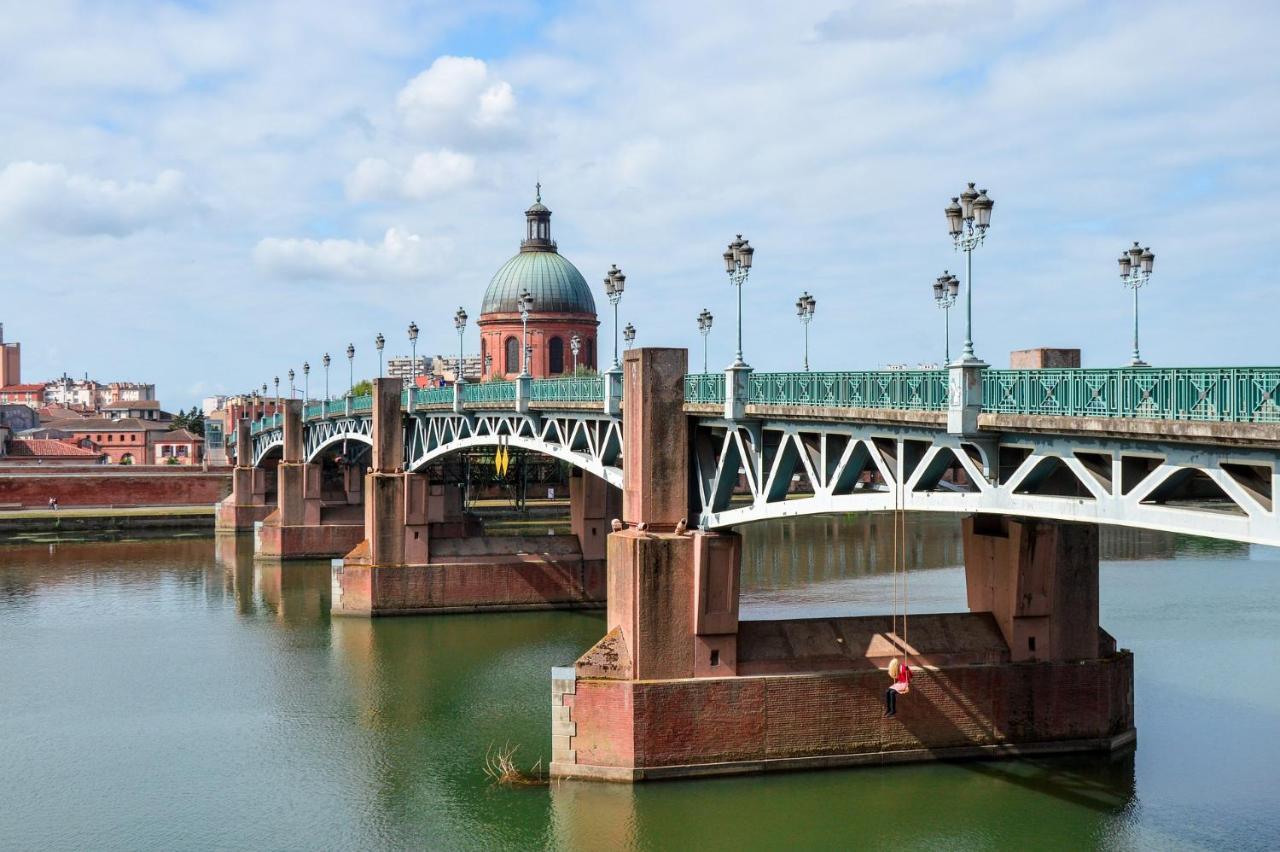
x,y
901,674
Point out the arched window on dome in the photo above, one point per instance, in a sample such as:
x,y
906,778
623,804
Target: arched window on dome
x,y
482,354
555,355
589,360
511,364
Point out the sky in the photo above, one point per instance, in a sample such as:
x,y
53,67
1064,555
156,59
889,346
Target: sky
x,y
204,195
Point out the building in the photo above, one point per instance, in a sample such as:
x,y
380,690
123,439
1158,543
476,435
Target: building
x,y
177,447
10,362
89,395
126,441
45,451
445,368
562,307
31,396
401,367
142,409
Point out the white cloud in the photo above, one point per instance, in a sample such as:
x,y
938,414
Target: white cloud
x,y
399,255
430,174
456,98
48,197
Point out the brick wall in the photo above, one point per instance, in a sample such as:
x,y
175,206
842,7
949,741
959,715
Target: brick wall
x,y
641,724
133,488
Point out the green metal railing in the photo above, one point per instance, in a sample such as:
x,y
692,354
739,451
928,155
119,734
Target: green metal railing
x,y
489,392
433,396
1223,394
312,411
571,389
362,403
704,388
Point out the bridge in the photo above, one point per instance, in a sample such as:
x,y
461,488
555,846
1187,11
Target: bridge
x,y
1186,450
1033,460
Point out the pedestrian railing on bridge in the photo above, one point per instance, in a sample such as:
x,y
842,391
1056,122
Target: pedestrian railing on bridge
x,y
1223,394
573,389
489,392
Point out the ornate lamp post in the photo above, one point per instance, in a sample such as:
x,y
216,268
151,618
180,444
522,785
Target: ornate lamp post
x,y
378,343
325,362
351,368
413,345
488,364
614,282
945,290
264,399
525,305
460,323
306,382
1135,270
968,217
704,328
629,335
277,383
737,262
575,346
291,386
804,309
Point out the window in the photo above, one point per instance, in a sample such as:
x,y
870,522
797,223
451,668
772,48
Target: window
x,y
587,359
556,356
512,362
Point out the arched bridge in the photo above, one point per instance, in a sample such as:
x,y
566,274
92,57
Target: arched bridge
x,y
1194,451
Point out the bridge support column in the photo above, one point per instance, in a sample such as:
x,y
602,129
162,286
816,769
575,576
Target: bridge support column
x,y
593,504
247,504
679,687
419,556
294,530
1039,580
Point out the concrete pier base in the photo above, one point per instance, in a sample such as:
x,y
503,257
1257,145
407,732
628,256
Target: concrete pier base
x,y
273,541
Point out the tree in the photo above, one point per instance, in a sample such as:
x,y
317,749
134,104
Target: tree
x,y
362,388
195,421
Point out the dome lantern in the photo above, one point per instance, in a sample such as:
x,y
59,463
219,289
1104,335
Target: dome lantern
x,y
537,235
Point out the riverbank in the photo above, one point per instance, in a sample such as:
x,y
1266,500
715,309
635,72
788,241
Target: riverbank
x,y
35,526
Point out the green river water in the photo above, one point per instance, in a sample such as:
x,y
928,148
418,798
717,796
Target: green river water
x,y
171,695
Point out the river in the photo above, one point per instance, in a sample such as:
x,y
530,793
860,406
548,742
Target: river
x,y
166,695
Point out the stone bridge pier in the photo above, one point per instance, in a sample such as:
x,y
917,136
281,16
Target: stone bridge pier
x,y
302,526
680,687
419,555
247,504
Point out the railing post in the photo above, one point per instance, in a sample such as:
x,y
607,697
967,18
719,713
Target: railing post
x,y
737,390
613,392
347,404
524,391
457,398
964,397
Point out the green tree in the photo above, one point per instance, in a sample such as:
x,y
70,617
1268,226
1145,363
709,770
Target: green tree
x,y
195,421
362,388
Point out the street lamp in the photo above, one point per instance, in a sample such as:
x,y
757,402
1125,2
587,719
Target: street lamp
x,y
945,290
1135,270
525,305
575,346
291,375
488,364
804,309
378,343
704,328
277,383
629,334
737,262
306,381
614,282
351,368
413,344
968,217
325,361
460,323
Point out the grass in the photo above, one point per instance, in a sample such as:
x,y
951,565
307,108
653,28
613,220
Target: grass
x,y
500,767
108,512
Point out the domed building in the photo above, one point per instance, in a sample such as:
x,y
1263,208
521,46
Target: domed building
x,y
562,306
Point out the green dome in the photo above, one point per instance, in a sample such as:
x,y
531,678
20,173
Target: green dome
x,y
555,284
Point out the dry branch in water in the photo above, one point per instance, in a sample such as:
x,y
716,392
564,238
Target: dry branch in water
x,y
499,765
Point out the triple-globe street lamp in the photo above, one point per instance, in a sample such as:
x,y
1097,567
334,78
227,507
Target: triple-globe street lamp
x,y
378,343
413,346
291,385
968,217
306,382
946,288
629,335
460,323
704,328
351,369
525,305
277,382
1135,270
575,346
804,310
614,283
737,262
325,361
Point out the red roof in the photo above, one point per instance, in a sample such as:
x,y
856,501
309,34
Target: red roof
x,y
22,388
47,447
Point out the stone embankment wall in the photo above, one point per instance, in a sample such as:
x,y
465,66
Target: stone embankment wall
x,y
96,486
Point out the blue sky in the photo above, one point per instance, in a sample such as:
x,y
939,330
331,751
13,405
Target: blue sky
x,y
205,195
